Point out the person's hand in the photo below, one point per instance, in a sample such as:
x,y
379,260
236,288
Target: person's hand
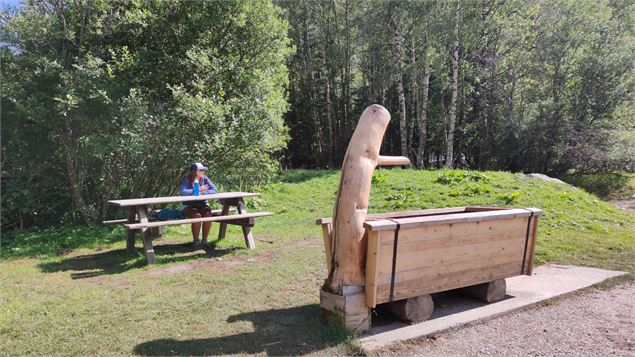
x,y
205,187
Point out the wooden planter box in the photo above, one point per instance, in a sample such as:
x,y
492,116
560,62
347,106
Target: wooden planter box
x,y
432,252
415,253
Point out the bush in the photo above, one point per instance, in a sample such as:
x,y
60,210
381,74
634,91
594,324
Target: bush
x,y
607,185
119,97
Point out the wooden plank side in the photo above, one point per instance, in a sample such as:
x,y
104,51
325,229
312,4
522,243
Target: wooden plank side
x,y
173,199
222,229
247,235
420,213
232,217
115,221
415,213
485,208
487,251
130,233
428,285
371,269
142,213
402,214
451,232
326,236
438,270
413,246
446,219
531,247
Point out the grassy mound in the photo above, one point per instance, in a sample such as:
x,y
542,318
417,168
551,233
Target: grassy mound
x,y
577,227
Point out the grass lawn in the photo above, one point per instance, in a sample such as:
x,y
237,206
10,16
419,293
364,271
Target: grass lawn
x,y
74,291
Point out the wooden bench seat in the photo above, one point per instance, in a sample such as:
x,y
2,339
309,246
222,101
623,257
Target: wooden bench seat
x,y
215,212
241,219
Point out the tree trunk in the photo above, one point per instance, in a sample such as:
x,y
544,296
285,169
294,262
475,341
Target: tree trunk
x,y
423,118
414,98
73,176
400,90
329,119
449,156
347,70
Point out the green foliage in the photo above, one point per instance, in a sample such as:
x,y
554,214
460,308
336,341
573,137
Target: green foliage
x,y
104,100
454,177
617,185
465,183
545,86
379,177
509,197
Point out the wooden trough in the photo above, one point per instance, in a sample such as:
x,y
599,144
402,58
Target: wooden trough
x,y
400,258
416,253
432,252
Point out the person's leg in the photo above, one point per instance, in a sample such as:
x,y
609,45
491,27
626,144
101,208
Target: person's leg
x,y
191,212
206,212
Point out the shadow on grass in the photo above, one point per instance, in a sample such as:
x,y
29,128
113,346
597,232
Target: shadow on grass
x,y
289,331
119,260
56,240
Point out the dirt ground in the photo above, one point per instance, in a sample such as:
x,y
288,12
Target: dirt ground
x,y
624,204
598,322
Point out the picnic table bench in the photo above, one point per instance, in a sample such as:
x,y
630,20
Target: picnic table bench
x,y
140,209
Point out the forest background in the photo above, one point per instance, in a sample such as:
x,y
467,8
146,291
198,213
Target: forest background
x,y
104,99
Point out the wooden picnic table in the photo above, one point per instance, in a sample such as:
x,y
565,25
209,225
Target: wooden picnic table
x,y
139,212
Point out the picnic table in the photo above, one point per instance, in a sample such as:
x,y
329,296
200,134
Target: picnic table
x,y
140,210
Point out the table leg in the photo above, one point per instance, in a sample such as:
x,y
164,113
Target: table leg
x,y
142,211
222,230
131,233
249,238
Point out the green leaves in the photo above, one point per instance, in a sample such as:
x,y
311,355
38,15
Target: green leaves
x,y
125,95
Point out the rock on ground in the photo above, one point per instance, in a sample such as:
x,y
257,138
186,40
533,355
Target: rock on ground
x,y
545,178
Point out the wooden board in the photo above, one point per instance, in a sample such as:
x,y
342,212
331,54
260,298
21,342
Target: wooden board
x,y
531,249
417,213
371,268
381,225
173,199
349,311
433,258
142,213
233,217
327,236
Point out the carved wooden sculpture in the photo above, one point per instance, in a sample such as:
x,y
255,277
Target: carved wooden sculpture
x,y
360,160
474,248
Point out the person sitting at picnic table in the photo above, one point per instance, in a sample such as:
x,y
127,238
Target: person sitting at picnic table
x,y
197,209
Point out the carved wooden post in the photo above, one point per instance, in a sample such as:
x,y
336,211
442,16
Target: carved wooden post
x,y
342,296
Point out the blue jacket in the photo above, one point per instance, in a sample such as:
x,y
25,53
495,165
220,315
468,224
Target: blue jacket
x,y
187,189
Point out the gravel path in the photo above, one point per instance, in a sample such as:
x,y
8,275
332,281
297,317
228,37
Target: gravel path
x,y
593,323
